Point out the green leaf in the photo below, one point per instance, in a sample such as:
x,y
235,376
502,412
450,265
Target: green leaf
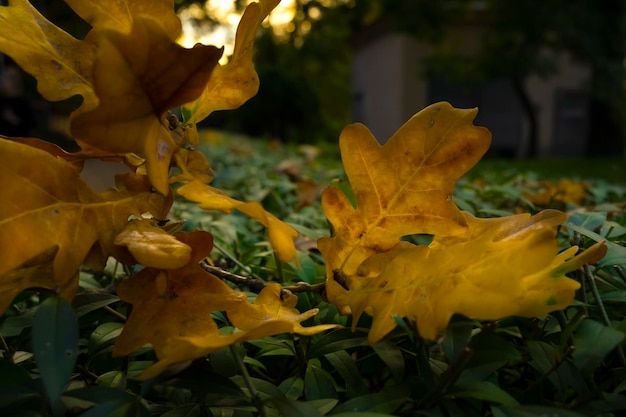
x,y
88,302
386,401
345,365
589,220
117,409
391,354
615,255
544,358
55,344
532,411
186,410
488,347
361,414
103,337
318,383
484,391
458,335
340,339
292,387
291,408
594,341
100,395
12,374
112,379
15,325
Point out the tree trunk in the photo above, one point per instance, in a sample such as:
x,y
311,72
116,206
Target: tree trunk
x,y
532,138
606,106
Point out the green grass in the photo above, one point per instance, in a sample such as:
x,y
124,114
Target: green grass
x,y
612,170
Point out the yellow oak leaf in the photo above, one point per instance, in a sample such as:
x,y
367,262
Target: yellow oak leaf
x,y
235,83
402,188
61,63
151,246
281,236
138,76
501,267
174,303
268,316
564,192
271,310
46,204
172,311
119,15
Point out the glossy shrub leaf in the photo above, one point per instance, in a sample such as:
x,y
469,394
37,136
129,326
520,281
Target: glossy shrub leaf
x,y
533,411
484,391
104,336
594,341
386,401
292,387
87,302
345,366
55,344
290,408
318,383
391,355
12,374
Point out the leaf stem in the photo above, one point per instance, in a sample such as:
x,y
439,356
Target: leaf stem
x,y
605,317
446,379
544,376
256,400
8,355
115,313
233,258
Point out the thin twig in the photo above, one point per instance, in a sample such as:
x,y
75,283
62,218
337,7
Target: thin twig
x,y
446,379
254,284
620,272
115,313
257,284
256,400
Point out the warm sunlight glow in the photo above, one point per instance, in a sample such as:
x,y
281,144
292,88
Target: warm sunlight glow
x,y
223,34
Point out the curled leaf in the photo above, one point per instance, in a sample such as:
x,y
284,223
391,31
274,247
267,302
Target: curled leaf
x,y
139,76
503,267
151,246
235,83
281,235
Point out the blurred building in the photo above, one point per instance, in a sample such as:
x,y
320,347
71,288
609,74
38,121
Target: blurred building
x,y
388,90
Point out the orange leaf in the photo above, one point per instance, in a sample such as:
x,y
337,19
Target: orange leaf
x,y
402,188
172,311
51,206
235,83
281,235
139,76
